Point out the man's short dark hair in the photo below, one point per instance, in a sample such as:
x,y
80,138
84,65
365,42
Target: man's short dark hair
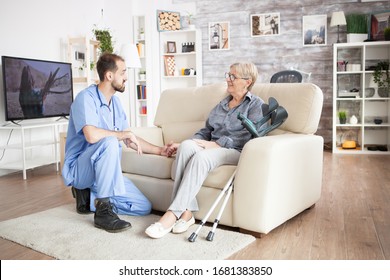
x,y
107,62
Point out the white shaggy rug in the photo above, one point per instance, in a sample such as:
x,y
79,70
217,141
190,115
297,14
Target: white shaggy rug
x,y
63,234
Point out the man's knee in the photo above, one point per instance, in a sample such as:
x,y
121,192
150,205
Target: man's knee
x,y
146,209
109,143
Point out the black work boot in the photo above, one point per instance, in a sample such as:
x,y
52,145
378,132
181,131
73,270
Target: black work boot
x,y
82,200
106,218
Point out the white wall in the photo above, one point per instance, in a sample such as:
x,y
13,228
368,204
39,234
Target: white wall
x,y
39,29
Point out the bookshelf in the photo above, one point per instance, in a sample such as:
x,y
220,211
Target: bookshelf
x,y
141,91
181,58
82,53
355,93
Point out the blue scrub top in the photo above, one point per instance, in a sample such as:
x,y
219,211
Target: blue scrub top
x,y
90,107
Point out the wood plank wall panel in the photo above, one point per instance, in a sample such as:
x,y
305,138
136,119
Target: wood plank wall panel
x,y
274,53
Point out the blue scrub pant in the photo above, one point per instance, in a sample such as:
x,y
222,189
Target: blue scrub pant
x,y
99,169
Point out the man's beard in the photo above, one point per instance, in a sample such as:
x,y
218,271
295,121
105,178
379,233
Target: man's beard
x,y
120,88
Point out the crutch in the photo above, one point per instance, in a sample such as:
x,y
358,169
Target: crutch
x,y
272,111
267,109
226,190
278,117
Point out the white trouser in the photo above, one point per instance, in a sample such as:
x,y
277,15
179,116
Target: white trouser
x,y
193,164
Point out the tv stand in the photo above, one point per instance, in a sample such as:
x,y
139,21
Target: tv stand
x,y
32,149
62,118
16,123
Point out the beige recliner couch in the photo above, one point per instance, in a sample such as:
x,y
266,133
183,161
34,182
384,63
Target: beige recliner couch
x,y
278,176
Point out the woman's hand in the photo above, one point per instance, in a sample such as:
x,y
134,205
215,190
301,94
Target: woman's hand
x,y
169,149
206,144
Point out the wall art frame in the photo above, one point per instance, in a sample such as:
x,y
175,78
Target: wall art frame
x,y
378,21
314,30
219,35
265,24
168,21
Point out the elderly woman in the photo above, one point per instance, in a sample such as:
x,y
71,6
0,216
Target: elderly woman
x,y
219,143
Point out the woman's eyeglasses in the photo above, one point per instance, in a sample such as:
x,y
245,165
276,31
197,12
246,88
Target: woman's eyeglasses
x,y
231,77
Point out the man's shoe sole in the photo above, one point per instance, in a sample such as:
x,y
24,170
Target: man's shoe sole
x,y
113,230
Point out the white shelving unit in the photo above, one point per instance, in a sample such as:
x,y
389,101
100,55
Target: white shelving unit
x,y
88,49
25,145
182,60
355,92
142,88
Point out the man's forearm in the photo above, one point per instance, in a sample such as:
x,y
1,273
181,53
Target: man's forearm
x,y
95,134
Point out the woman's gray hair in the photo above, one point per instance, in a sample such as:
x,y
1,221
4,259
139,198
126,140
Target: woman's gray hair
x,y
246,70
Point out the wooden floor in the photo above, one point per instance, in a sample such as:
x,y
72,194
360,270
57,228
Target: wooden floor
x,y
351,221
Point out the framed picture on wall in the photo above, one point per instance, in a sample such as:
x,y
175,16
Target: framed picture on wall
x,y
378,22
168,21
314,30
265,24
219,36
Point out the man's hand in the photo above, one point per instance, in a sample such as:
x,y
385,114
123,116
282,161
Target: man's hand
x,y
206,144
131,141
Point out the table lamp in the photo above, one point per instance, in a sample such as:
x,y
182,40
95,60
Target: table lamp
x,y
338,18
129,52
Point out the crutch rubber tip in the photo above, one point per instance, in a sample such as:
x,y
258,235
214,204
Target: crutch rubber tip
x,y
192,237
210,236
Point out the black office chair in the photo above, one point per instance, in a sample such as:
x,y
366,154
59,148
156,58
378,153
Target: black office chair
x,y
287,76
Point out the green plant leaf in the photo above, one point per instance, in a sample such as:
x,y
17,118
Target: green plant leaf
x,y
357,23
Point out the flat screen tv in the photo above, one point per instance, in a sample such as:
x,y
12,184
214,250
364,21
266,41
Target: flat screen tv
x,y
36,88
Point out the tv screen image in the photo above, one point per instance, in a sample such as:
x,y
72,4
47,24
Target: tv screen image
x,y
36,88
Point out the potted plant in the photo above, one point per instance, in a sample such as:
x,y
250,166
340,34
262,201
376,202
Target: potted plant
x,y
190,20
342,117
142,75
386,33
92,68
357,27
141,34
105,39
382,78
81,70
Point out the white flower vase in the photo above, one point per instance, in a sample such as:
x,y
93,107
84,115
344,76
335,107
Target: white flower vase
x,y
355,37
353,120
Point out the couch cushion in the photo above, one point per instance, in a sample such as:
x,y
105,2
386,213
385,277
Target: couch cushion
x,y
218,177
180,131
303,102
193,104
148,165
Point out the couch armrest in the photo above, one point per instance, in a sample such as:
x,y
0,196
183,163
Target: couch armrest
x,y
153,135
277,178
